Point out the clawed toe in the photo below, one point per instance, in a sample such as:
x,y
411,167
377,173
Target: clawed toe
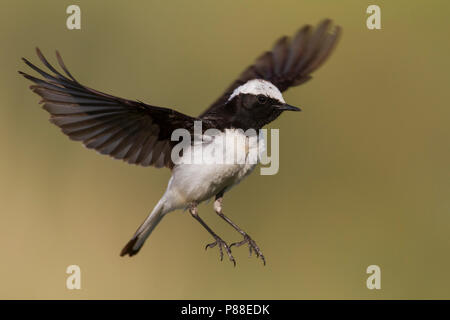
x,y
222,246
252,246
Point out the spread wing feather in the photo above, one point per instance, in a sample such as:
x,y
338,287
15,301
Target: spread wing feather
x,y
123,129
289,63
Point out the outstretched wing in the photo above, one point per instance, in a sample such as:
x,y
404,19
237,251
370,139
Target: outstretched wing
x,y
123,129
290,62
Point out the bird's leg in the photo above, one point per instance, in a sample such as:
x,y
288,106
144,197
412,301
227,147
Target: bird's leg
x,y
252,246
219,242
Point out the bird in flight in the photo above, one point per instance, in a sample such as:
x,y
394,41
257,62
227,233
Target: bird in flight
x,y
141,134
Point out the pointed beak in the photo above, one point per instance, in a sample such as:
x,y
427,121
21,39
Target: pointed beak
x,y
287,107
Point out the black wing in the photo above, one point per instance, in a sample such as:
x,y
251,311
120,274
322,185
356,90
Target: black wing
x,y
123,129
290,62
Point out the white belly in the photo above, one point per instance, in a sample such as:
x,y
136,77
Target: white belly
x,y
197,182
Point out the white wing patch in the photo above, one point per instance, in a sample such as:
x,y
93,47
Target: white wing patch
x,y
258,86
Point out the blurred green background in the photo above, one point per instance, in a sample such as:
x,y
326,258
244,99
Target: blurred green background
x,y
364,175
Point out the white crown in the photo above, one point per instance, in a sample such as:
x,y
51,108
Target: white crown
x,y
258,86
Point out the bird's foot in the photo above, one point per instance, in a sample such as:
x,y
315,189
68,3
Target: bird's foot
x,y
222,246
252,246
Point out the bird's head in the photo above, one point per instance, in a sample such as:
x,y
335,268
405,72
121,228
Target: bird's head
x,y
256,103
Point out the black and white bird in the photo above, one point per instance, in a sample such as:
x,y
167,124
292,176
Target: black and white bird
x,y
139,133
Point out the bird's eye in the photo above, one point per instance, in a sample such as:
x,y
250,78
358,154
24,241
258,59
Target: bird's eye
x,y
262,98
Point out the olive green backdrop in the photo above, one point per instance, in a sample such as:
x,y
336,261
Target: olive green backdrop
x,y
364,175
